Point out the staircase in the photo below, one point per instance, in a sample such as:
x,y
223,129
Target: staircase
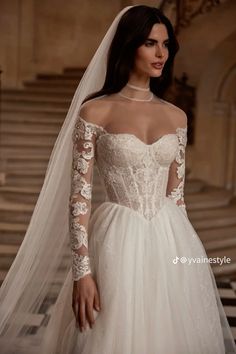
x,y
31,120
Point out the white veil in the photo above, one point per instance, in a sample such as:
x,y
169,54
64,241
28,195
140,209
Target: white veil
x,y
43,260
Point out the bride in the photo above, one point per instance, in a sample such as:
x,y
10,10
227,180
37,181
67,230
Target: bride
x,y
129,289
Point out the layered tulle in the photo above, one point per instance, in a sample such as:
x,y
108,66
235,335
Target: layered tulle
x,y
150,303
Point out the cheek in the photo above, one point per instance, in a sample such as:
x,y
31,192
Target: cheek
x,y
143,55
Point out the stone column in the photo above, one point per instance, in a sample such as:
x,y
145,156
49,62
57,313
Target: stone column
x,y
231,155
220,112
26,40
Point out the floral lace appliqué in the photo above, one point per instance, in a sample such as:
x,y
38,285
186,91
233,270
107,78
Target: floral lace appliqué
x,y
84,136
177,190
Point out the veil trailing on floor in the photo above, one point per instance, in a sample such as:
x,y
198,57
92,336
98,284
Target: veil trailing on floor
x,y
43,260
40,273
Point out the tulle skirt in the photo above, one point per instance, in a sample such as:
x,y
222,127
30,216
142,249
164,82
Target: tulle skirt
x,y
157,290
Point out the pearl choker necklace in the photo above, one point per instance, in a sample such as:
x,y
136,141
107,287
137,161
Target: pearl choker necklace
x,y
136,99
138,88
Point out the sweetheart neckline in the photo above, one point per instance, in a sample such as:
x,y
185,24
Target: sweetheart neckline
x,y
136,138
131,134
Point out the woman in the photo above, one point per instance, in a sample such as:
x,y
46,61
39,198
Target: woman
x,y
130,293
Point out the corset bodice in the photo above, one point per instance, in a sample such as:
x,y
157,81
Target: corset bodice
x,y
135,174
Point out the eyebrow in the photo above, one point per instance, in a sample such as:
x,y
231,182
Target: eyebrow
x,y
155,41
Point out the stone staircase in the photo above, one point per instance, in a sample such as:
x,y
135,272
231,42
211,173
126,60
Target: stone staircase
x,y
31,120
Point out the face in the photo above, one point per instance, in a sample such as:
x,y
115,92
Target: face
x,y
153,52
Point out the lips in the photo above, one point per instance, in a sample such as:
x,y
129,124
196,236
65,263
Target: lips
x,y
158,65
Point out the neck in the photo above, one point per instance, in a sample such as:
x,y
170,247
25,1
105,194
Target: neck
x,y
137,88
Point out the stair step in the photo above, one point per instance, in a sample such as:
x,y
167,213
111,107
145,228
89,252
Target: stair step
x,y
23,154
24,178
9,120
37,105
49,117
35,166
12,212
12,233
59,91
6,250
217,233
7,255
76,76
193,186
25,99
224,270
15,207
39,92
26,181
68,84
73,70
25,174
214,217
213,213
3,274
36,109
223,221
25,130
219,244
24,190
24,194
37,141
209,197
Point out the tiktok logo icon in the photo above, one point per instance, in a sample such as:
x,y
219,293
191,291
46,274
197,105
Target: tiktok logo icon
x,y
175,260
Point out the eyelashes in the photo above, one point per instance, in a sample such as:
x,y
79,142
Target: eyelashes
x,y
150,44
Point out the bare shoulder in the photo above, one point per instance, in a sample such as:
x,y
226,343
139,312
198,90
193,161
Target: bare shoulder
x,y
180,118
95,111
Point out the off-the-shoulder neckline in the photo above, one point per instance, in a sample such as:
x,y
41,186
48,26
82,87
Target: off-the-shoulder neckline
x,y
105,132
102,128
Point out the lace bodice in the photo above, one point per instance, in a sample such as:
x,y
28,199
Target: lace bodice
x,y
135,174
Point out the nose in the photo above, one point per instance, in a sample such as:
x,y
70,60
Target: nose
x,y
159,51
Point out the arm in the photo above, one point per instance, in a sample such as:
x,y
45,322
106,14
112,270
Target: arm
x,y
176,180
84,137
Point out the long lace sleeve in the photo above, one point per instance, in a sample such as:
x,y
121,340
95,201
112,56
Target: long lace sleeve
x,y
176,179
84,137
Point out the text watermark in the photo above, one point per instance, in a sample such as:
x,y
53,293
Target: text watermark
x,y
194,260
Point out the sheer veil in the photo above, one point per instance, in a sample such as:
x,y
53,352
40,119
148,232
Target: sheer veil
x,y
42,264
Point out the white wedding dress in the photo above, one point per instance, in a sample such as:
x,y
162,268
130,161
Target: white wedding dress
x,y
150,304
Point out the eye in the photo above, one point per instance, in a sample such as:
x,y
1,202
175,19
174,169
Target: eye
x,y
149,44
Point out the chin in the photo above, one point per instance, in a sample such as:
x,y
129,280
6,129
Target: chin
x,y
155,74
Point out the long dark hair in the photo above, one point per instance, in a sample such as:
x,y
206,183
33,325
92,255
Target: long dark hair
x,y
132,31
